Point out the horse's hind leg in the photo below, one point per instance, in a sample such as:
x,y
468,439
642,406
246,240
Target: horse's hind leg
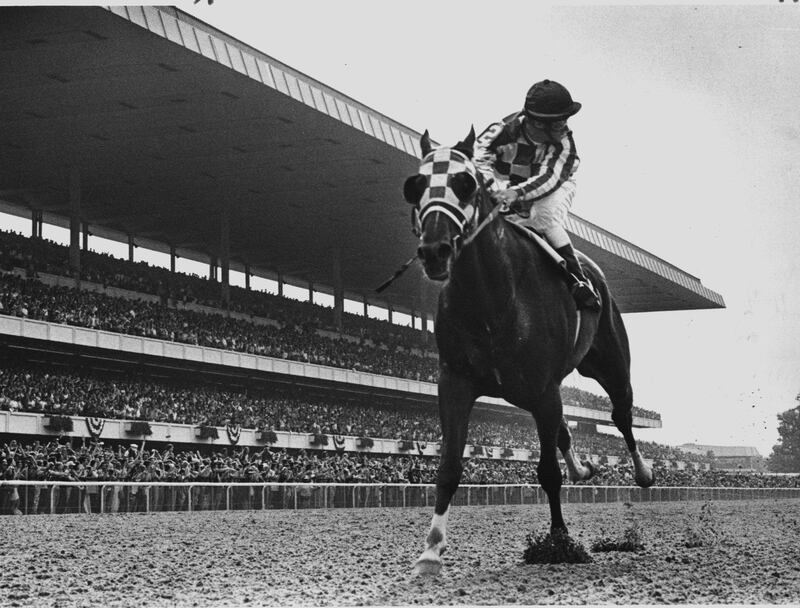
x,y
622,416
576,470
609,362
456,397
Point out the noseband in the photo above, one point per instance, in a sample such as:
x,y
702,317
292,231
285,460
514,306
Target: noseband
x,y
441,171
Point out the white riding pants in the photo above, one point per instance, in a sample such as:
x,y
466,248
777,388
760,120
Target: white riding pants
x,y
548,215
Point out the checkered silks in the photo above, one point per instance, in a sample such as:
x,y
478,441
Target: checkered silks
x,y
439,167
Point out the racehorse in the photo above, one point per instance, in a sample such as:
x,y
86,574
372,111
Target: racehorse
x,y
507,326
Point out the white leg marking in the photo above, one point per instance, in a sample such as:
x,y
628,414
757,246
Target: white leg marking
x,y
643,474
440,522
430,562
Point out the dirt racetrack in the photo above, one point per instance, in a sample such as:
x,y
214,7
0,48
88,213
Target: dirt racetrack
x,y
364,557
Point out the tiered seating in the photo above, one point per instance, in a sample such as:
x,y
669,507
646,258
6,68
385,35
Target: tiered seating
x,y
36,389
370,345
34,300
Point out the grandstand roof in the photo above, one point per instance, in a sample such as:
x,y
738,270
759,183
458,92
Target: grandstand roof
x,y
172,123
722,451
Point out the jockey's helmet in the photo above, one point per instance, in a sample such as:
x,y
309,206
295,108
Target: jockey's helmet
x,y
549,100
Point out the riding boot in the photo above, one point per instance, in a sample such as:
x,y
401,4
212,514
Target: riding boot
x,y
581,289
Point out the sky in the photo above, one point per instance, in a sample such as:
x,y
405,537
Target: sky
x,y
688,138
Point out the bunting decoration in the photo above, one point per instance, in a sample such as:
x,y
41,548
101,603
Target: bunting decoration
x,y
95,426
233,430
338,443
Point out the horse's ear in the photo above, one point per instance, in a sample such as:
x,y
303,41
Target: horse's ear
x,y
463,185
414,188
465,146
425,143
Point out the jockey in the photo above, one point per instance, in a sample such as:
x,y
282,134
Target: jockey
x,y
531,158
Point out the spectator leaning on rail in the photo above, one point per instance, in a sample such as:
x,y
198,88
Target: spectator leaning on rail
x,y
531,157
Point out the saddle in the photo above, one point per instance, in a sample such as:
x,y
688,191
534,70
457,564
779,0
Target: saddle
x,y
541,242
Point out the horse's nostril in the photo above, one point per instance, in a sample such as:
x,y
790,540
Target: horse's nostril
x,y
433,253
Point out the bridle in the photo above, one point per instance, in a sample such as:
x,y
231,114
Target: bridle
x,y
452,189
441,170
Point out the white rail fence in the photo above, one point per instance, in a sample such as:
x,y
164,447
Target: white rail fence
x,y
54,497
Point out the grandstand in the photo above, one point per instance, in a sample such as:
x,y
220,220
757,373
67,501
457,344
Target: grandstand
x,y
728,457
166,152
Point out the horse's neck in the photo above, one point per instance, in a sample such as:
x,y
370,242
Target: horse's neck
x,y
484,274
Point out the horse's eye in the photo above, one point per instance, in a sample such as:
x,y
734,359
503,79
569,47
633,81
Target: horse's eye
x,y
463,185
414,188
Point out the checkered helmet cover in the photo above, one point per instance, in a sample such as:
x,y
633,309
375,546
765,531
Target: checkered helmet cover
x,y
439,167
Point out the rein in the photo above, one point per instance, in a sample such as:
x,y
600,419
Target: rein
x,y
486,221
397,273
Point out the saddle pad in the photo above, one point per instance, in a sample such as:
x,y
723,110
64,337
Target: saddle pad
x,y
540,240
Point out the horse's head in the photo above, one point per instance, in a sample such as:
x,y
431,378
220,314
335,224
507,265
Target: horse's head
x,y
444,194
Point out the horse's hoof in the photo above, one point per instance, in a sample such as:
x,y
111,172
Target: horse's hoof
x,y
428,565
558,531
579,475
645,480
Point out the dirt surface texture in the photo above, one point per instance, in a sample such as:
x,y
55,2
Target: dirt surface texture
x,y
746,552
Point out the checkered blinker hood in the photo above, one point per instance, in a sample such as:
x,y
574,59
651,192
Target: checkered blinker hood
x,y
440,169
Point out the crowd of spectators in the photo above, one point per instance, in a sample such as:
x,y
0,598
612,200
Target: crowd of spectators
x,y
298,342
622,474
45,390
34,389
31,299
94,461
40,255
368,345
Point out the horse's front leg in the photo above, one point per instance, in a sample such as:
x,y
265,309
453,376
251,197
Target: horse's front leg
x,y
548,416
456,396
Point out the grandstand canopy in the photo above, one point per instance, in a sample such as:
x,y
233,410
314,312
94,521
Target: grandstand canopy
x,y
167,128
721,451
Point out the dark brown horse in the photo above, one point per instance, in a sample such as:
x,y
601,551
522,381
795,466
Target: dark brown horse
x,y
507,327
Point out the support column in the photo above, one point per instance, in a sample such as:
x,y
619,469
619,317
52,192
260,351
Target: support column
x,y
75,224
131,247
225,252
172,258
280,284
247,276
85,236
338,290
423,313
366,307
390,311
311,292
426,335
212,267
37,222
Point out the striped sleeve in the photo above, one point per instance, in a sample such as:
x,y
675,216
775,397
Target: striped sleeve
x,y
559,163
485,150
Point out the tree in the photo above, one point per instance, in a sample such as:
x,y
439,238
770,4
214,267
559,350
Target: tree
x,y
785,457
